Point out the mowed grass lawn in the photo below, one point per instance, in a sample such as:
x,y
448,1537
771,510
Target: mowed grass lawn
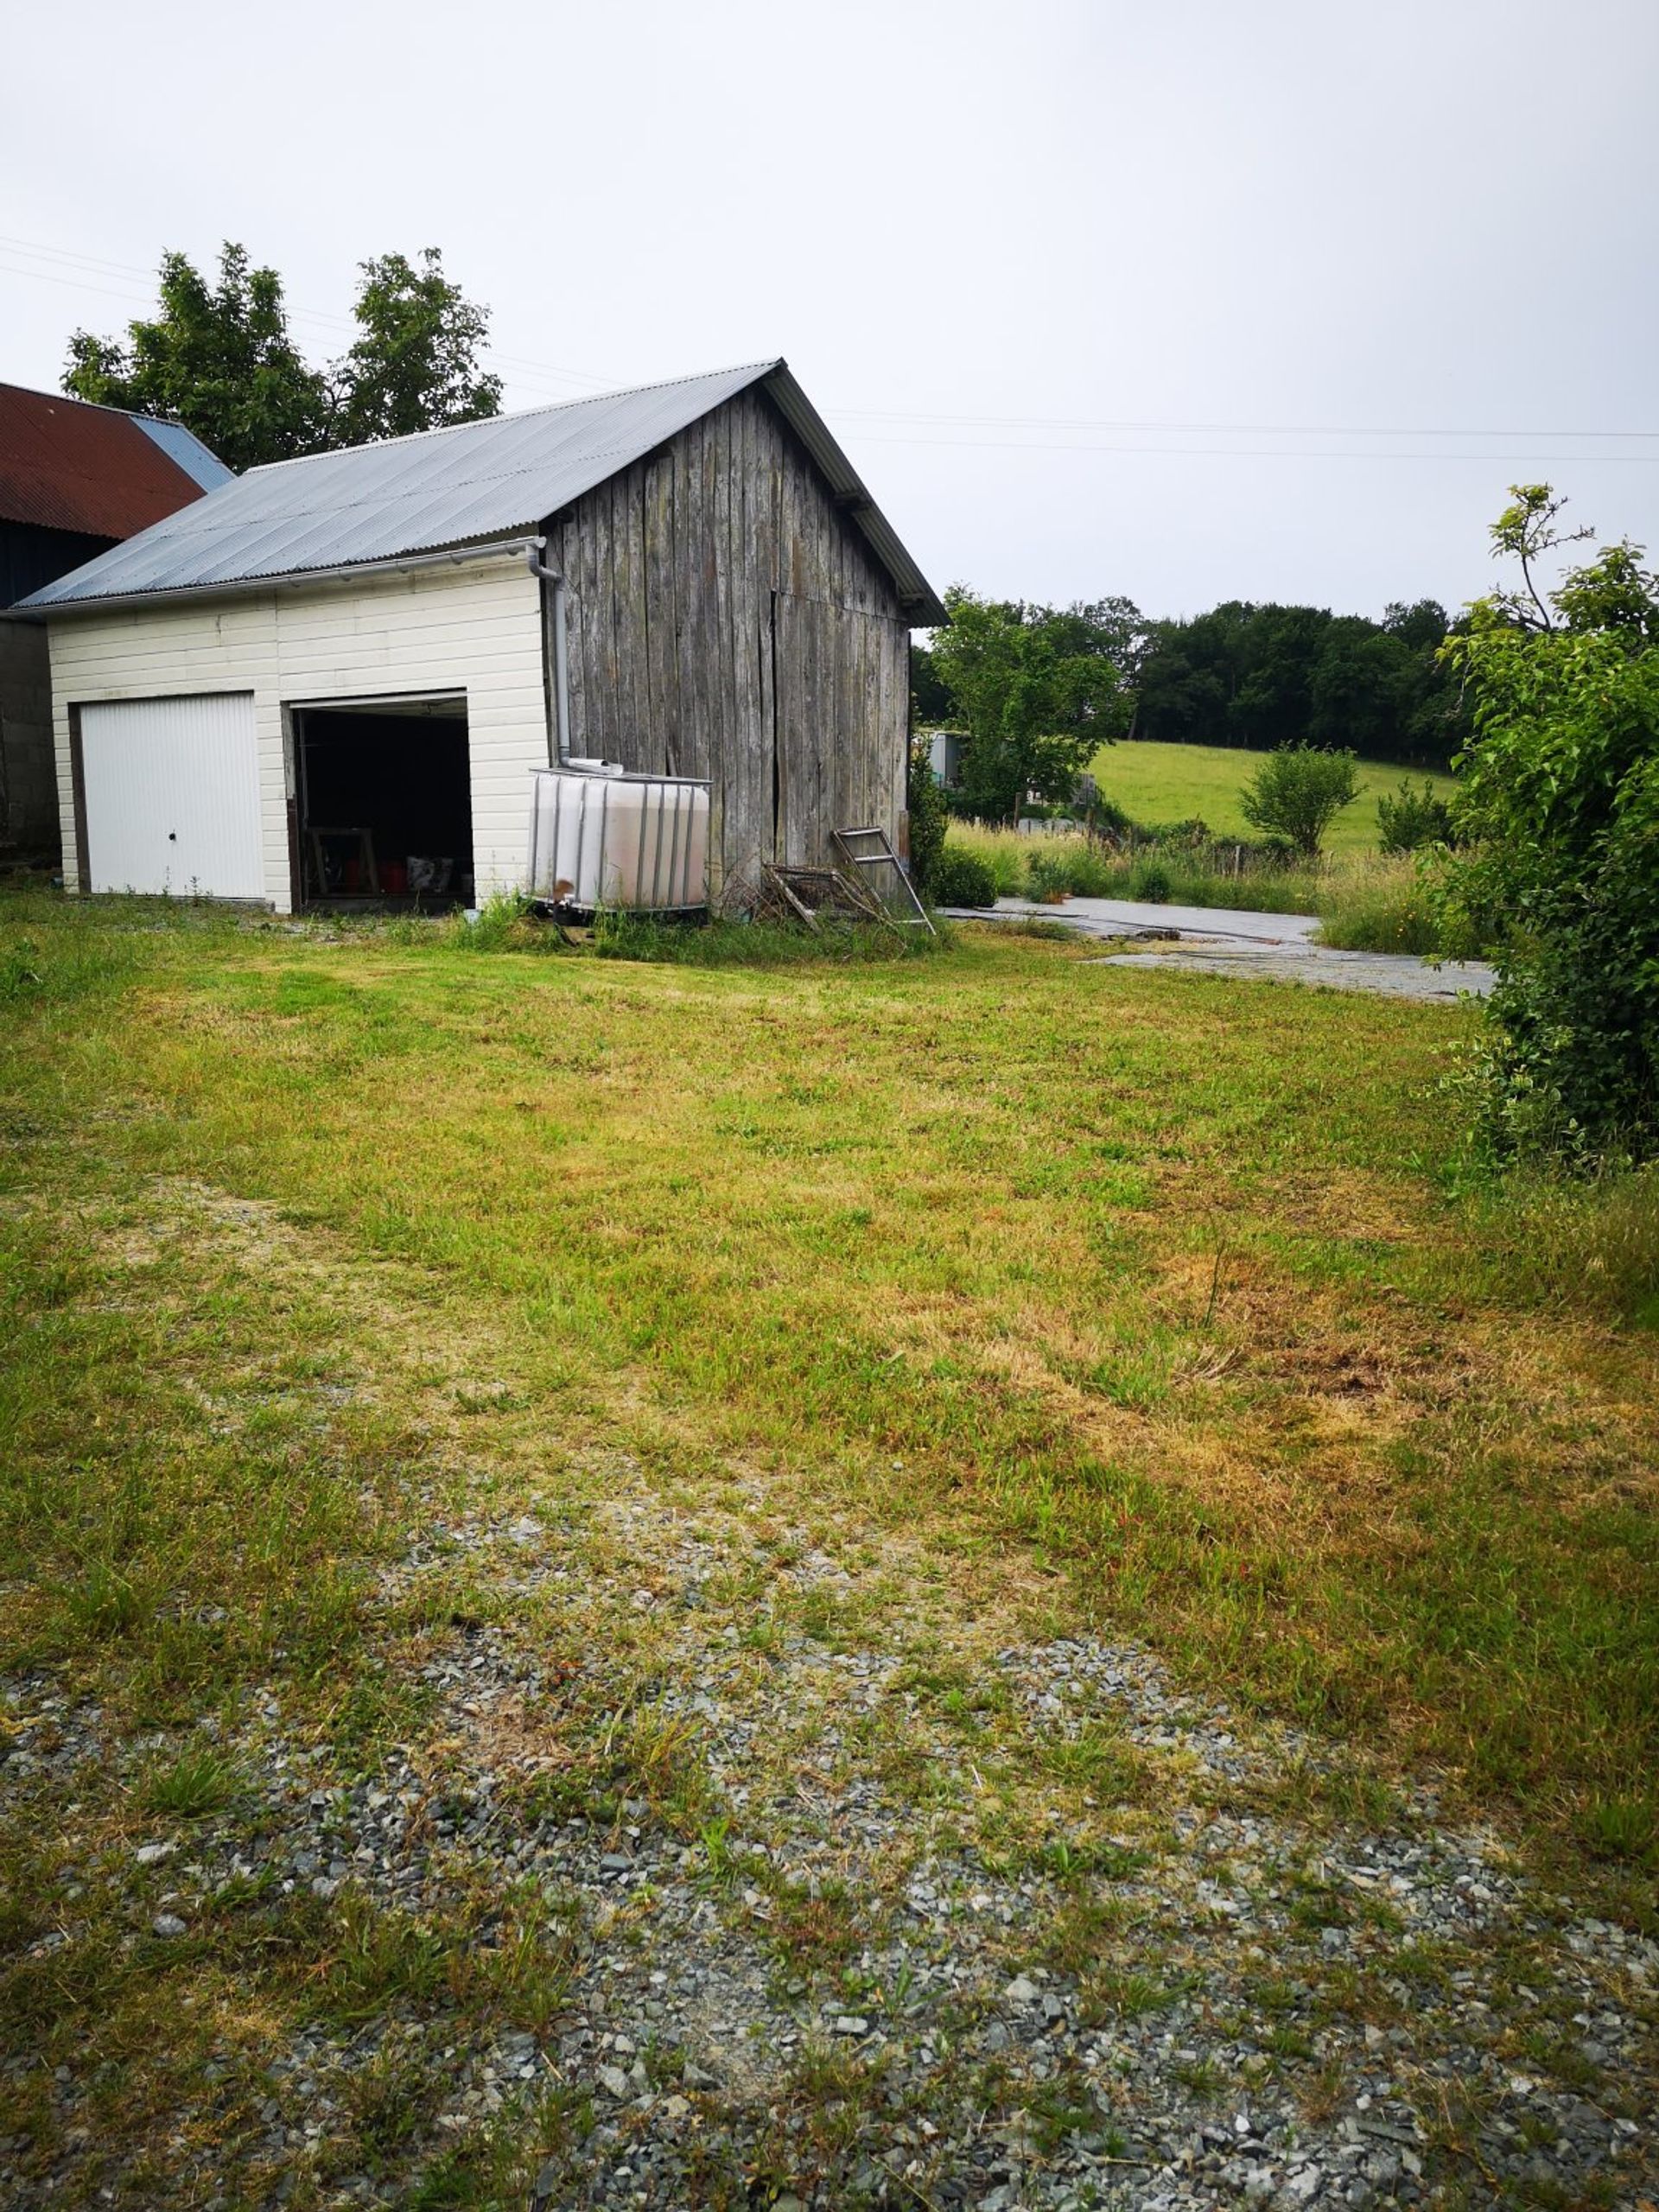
x,y
1158,1277
1172,783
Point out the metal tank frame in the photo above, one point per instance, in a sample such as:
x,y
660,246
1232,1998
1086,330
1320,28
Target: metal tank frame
x,y
669,822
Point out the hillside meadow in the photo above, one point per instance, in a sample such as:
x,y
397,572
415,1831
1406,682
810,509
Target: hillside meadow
x,y
1157,783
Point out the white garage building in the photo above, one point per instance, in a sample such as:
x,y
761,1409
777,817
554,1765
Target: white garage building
x,y
331,677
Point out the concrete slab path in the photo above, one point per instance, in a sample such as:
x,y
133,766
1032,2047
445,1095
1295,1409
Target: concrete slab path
x,y
1228,940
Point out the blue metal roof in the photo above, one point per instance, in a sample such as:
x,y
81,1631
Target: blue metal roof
x,y
443,488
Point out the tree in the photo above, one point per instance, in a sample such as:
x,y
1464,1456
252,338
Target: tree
x,y
1040,689
1612,592
1266,676
1557,807
931,693
218,358
415,367
1296,794
1526,531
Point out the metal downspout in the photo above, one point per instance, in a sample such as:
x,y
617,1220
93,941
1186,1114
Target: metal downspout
x,y
561,655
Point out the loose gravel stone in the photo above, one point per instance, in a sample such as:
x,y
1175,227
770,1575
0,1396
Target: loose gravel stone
x,y
875,1963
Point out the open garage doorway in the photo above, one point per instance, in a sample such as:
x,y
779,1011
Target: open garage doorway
x,y
384,802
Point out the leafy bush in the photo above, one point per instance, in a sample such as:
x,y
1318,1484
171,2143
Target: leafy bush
x,y
1559,807
965,878
1275,853
1297,791
1152,882
1412,818
1106,816
1192,831
925,804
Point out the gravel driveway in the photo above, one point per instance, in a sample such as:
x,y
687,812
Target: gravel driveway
x,y
876,1886
1225,941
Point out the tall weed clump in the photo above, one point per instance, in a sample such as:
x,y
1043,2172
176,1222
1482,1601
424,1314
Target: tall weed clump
x,y
1386,905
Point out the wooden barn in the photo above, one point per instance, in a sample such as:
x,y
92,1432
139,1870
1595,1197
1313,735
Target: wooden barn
x,y
332,677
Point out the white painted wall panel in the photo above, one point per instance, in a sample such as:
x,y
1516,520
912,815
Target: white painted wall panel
x,y
476,628
172,791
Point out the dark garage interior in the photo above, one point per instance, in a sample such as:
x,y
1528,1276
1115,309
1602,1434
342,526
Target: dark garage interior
x,y
385,809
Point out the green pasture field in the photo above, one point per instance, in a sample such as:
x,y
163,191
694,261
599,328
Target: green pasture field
x,y
1156,783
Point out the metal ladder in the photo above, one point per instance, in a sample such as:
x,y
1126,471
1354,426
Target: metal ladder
x,y
868,856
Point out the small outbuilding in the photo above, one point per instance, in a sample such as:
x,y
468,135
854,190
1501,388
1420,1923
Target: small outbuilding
x,y
333,677
74,480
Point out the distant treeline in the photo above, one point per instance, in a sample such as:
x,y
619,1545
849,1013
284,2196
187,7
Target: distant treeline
x,y
1261,677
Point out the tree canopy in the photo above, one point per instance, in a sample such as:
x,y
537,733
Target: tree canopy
x,y
1040,688
218,358
1264,676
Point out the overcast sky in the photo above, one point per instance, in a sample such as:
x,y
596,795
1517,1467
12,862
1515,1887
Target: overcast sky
x,y
1184,299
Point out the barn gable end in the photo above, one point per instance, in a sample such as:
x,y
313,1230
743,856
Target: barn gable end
x,y
727,621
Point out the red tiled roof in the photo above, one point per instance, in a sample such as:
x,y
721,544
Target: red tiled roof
x,y
66,466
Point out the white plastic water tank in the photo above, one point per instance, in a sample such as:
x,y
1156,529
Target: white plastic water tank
x,y
602,838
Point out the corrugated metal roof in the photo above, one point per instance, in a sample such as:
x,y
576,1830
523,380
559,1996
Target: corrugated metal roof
x,y
446,488
65,465
196,460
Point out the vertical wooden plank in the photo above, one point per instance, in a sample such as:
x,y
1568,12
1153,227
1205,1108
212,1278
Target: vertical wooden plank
x,y
723,704
640,754
568,559
742,737
657,498
688,525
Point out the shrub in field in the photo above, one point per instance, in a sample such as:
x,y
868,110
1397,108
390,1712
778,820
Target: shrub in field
x,y
1557,808
1297,792
965,878
1153,882
1414,817
1560,813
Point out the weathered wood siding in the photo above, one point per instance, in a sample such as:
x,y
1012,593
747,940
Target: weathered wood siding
x,y
727,621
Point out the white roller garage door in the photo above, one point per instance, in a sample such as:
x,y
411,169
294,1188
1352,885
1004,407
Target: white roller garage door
x,y
172,795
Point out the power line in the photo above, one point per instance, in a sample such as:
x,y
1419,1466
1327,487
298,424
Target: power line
x,y
1250,453
526,372
1257,429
